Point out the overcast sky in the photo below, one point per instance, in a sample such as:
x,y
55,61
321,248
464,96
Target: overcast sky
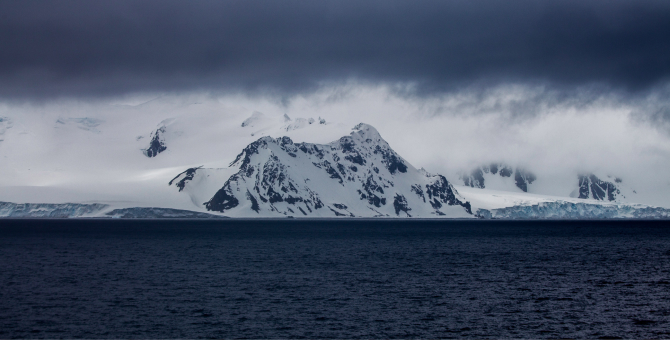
x,y
100,48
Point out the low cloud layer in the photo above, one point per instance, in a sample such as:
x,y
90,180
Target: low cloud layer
x,y
106,48
563,136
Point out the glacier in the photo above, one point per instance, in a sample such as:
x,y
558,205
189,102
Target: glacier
x,y
571,210
542,210
50,210
92,210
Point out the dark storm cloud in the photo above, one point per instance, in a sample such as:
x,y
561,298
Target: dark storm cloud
x,y
83,48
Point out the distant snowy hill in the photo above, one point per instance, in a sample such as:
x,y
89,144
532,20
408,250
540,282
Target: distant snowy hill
x,y
257,118
357,176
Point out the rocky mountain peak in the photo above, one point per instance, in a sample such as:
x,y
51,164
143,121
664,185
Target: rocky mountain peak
x,y
367,133
156,142
592,187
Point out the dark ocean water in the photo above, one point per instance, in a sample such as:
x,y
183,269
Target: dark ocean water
x,y
334,279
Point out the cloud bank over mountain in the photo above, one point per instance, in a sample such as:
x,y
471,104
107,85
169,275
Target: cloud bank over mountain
x,y
444,134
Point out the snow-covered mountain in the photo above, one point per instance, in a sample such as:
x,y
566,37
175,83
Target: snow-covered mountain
x,y
67,160
358,175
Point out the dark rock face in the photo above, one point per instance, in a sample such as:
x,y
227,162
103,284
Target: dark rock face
x,y
156,143
400,204
505,171
370,190
184,177
593,187
337,213
418,191
392,162
523,178
330,170
475,178
223,199
356,159
442,192
254,203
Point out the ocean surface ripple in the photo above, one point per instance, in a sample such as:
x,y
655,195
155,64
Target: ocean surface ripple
x,y
334,279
